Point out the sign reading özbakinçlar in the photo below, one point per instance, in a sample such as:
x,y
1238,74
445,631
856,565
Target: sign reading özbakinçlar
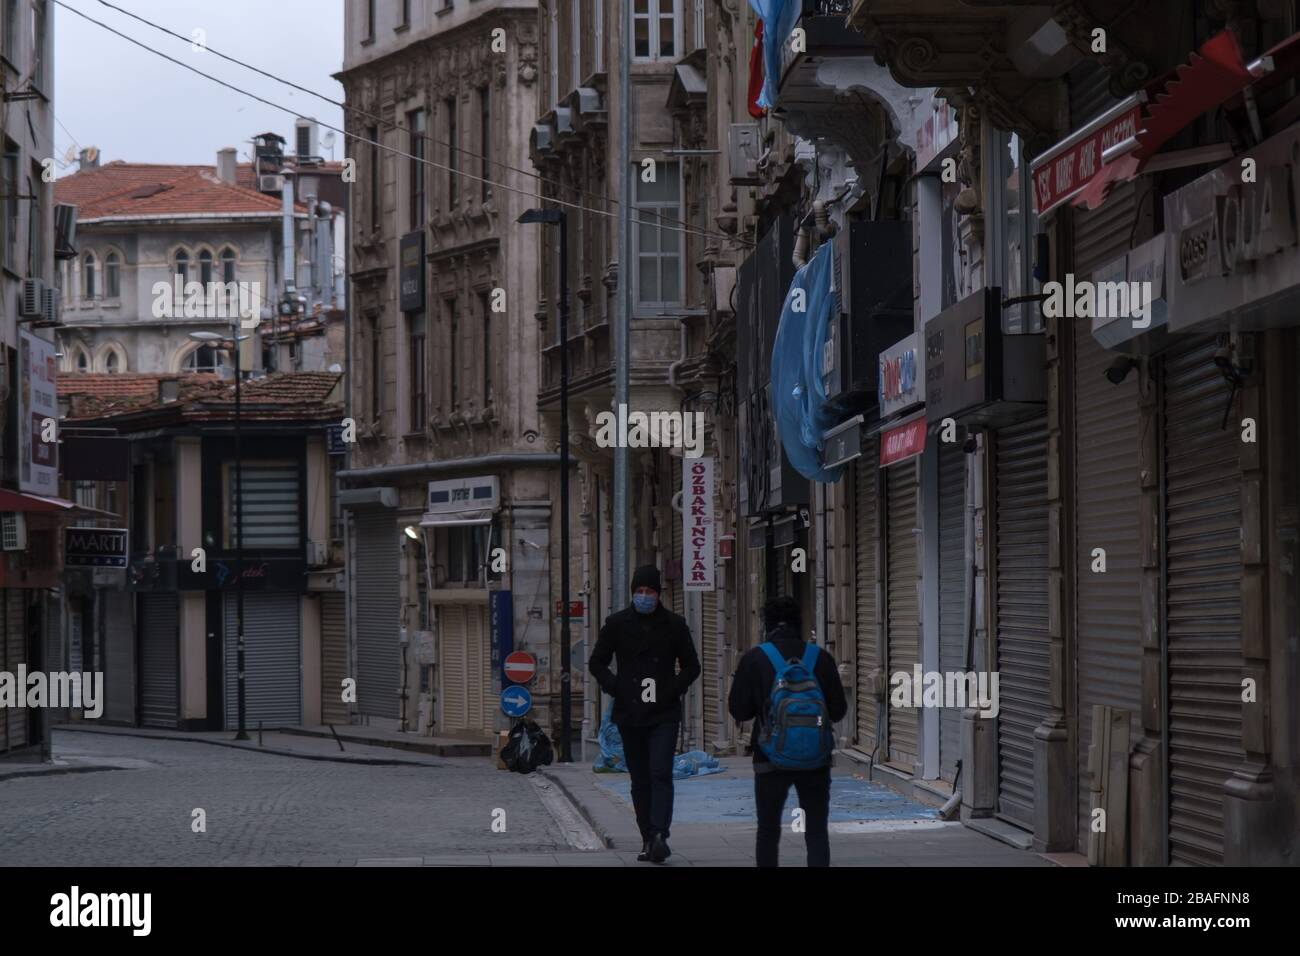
x,y
698,550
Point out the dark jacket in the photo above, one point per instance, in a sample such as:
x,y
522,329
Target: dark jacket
x,y
751,687
645,646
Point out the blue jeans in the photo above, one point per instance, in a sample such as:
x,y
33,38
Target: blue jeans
x,y
648,752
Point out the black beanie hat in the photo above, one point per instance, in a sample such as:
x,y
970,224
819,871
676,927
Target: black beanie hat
x,y
646,576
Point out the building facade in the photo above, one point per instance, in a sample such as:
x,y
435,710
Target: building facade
x,y
31,633
449,482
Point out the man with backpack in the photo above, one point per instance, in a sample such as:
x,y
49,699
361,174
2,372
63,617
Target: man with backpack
x,y
791,690
649,643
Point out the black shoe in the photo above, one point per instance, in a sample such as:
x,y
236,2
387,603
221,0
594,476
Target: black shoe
x,y
644,855
659,849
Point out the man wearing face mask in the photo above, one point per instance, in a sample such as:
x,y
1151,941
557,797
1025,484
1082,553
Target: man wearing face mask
x,y
656,664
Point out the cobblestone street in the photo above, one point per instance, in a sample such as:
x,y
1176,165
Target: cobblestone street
x,y
264,809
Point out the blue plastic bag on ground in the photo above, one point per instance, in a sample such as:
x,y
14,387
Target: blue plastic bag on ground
x,y
611,747
696,763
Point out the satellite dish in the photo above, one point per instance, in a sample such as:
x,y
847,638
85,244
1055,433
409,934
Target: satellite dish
x,y
70,154
328,140
92,153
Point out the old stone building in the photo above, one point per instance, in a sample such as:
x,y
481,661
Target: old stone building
x,y
450,466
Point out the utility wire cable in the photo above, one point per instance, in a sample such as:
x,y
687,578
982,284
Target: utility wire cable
x,y
663,222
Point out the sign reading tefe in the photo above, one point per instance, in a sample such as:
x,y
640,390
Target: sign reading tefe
x,y
697,524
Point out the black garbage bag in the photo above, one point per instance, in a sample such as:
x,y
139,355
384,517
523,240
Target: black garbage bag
x,y
527,748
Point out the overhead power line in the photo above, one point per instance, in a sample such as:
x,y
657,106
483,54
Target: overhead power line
x,y
663,222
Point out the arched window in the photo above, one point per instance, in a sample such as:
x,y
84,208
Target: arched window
x,y
202,359
111,362
183,265
227,264
205,269
112,276
88,276
83,361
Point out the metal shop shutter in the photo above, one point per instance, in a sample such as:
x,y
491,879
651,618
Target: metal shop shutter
x,y
376,603
952,594
902,644
468,704
710,667
1203,554
272,660
159,660
13,652
1108,662
864,616
1022,642
334,657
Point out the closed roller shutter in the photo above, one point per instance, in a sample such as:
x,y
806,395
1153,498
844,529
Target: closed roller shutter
x,y
272,660
159,663
1109,606
903,620
864,612
710,673
334,657
465,669
376,600
13,650
952,594
1022,641
1203,551
119,657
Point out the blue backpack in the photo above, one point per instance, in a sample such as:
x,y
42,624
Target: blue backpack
x,y
797,732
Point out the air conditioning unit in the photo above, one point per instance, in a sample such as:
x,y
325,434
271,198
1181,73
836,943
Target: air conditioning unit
x,y
31,302
743,151
51,307
270,183
13,531
317,554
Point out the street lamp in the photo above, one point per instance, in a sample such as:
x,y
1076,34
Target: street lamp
x,y
549,217
213,337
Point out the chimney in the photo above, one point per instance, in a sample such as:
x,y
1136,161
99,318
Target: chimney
x,y
226,165
88,158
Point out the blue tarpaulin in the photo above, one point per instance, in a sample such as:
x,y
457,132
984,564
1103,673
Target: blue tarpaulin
x,y
798,393
694,763
779,18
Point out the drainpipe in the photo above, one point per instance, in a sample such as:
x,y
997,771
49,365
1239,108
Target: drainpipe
x,y
289,274
681,354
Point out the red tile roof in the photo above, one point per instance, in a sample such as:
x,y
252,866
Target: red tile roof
x,y
119,189
283,396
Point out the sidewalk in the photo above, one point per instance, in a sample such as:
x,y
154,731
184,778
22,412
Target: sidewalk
x,y
871,825
287,742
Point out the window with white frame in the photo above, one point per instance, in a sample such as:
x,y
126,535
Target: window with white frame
x,y
654,29
88,276
658,278
112,276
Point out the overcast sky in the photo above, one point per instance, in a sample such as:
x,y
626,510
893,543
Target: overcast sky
x,y
138,107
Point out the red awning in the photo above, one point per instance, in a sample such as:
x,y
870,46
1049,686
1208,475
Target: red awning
x,y
36,504
1213,75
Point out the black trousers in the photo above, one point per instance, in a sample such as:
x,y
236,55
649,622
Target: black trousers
x,y
648,752
814,789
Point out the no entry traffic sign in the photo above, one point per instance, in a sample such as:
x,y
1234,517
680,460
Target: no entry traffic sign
x,y
520,667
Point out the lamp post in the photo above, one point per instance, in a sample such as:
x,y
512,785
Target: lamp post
x,y
552,216
213,337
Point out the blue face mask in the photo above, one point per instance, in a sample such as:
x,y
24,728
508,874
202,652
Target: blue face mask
x,y
645,603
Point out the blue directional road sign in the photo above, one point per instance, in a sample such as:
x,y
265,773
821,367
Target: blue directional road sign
x,y
516,701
